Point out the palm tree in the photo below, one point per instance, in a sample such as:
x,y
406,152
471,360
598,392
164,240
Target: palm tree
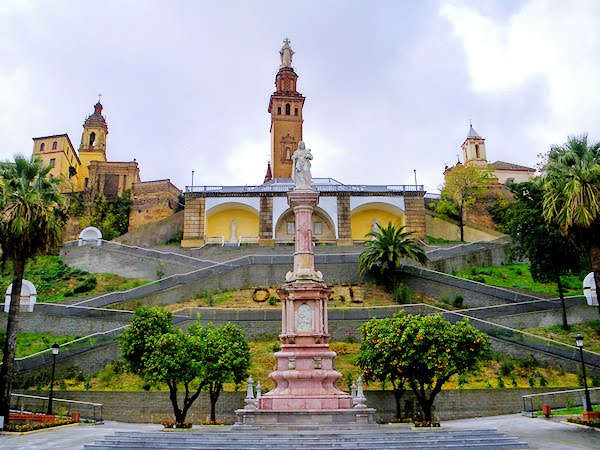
x,y
32,216
387,248
572,195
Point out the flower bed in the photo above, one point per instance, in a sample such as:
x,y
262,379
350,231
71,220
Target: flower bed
x,y
426,424
208,422
588,423
21,427
177,424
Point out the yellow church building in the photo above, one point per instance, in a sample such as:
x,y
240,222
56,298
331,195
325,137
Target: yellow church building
x,y
88,171
260,214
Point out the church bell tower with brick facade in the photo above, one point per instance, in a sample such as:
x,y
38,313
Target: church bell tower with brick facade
x,y
285,107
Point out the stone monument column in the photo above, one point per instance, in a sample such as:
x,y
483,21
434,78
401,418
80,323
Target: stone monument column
x,y
305,378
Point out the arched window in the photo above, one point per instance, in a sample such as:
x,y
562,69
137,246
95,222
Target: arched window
x,y
477,151
54,144
295,111
42,145
92,138
279,110
287,109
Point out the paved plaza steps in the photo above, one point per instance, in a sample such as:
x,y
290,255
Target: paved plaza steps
x,y
384,439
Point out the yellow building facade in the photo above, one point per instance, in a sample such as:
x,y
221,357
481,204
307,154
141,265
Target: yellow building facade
x,y
86,170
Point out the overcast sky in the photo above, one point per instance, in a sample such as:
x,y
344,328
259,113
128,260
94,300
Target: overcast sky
x,y
390,86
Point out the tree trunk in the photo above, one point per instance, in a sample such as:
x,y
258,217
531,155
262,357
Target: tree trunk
x,y
561,294
427,403
214,392
398,394
595,260
12,326
461,223
179,415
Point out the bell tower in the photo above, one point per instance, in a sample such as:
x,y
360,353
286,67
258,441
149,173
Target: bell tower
x,y
285,107
474,149
95,129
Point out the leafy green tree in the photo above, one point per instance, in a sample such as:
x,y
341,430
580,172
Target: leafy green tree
x,y
226,358
427,351
463,186
572,195
380,355
204,359
550,253
387,248
32,217
138,339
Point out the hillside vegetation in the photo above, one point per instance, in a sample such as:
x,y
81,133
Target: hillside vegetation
x,y
518,277
56,281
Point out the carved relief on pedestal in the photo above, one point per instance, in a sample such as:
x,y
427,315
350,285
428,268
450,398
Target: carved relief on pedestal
x,y
304,318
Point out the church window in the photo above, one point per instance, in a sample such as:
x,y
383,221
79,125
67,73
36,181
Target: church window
x,y
287,109
279,110
53,161
295,111
42,145
54,144
124,181
477,151
92,138
291,227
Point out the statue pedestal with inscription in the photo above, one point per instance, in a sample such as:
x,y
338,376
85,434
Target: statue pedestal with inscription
x,y
306,393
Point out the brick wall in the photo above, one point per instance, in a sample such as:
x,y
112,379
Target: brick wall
x,y
343,212
193,220
152,201
415,213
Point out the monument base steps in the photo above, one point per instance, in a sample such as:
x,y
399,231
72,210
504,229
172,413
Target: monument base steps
x,y
348,419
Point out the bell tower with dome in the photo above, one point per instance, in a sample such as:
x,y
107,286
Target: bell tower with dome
x,y
285,107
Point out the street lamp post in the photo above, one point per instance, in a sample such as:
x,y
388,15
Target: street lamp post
x,y
579,342
55,348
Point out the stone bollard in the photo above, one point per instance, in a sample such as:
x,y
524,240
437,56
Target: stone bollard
x,y
249,400
360,399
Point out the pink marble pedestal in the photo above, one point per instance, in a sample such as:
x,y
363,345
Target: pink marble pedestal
x,y
305,378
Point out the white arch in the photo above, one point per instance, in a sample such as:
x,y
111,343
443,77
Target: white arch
x,y
28,297
589,289
91,236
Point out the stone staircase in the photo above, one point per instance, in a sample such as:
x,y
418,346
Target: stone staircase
x,y
383,439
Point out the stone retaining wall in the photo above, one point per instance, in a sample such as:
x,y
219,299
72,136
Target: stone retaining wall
x,y
154,407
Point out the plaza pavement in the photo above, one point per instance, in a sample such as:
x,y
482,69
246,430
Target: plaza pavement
x,y
538,433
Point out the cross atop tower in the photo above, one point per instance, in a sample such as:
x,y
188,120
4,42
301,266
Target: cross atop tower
x,y
286,41
99,97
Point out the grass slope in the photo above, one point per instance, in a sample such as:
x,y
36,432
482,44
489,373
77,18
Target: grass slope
x,y
518,277
56,281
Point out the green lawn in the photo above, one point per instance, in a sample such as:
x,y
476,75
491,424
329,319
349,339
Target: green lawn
x,y
589,330
55,281
518,276
572,411
30,343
